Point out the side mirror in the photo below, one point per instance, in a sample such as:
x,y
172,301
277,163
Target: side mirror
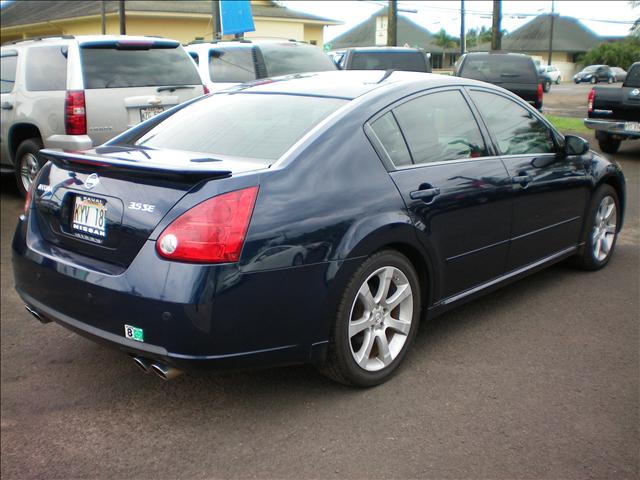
x,y
574,145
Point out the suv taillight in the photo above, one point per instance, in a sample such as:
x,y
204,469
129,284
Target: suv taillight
x,y
75,116
539,93
590,100
211,232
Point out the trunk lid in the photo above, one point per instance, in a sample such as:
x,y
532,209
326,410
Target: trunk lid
x,y
105,203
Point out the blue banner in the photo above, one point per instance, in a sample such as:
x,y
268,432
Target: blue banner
x,y
236,17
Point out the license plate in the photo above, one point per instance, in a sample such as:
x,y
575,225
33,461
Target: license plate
x,y
147,113
90,216
632,126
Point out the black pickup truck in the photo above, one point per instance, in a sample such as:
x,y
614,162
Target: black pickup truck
x,y
614,113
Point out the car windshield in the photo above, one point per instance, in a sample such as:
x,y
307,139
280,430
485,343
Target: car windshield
x,y
241,125
633,77
407,61
590,69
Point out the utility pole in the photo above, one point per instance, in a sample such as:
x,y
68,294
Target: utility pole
x,y
463,35
551,32
496,35
392,24
123,24
103,11
215,19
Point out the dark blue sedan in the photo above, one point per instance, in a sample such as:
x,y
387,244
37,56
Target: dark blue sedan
x,y
312,218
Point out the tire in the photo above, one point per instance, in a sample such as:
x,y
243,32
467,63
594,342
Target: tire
x,y
558,80
27,163
577,81
363,358
610,80
593,80
601,230
546,86
609,145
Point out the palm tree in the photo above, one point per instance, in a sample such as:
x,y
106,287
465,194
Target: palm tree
x,y
444,40
635,29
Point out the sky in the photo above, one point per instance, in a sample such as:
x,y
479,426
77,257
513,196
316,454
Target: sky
x,y
435,15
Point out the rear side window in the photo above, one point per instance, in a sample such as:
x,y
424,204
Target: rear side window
x,y
106,66
499,68
515,129
8,65
232,65
244,126
287,58
407,61
46,69
387,130
439,127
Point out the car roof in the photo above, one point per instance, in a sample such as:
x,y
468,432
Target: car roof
x,y
245,43
347,84
511,54
82,39
384,49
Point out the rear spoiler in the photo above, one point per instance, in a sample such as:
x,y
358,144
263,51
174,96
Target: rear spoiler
x,y
118,166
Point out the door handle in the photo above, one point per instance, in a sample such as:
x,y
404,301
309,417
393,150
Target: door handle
x,y
6,106
521,179
426,194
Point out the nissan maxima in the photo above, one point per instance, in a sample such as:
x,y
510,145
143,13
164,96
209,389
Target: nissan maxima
x,y
315,218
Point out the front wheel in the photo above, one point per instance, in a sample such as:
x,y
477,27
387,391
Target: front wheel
x,y
609,145
601,232
376,321
546,86
610,80
27,163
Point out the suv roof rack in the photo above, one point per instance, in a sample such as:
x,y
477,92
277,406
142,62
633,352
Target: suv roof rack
x,y
43,37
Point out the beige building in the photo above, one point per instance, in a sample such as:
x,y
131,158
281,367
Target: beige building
x,y
181,20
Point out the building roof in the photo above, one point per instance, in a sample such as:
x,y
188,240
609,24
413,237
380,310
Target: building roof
x,y
409,33
569,35
22,12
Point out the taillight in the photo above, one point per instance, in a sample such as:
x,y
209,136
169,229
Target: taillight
x,y
206,89
540,93
590,100
211,232
75,116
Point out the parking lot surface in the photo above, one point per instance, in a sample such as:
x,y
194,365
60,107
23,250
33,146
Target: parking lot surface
x,y
569,99
538,380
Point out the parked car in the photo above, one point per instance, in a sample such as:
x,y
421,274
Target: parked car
x,y
512,71
614,113
545,79
384,58
595,74
421,191
552,72
77,92
227,63
619,74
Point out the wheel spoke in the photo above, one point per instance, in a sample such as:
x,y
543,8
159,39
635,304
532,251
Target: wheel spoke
x,y
356,326
398,325
605,245
400,294
385,282
362,357
597,247
610,229
365,296
609,210
383,349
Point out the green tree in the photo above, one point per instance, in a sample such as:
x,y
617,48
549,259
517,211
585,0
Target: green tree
x,y
444,40
635,29
615,54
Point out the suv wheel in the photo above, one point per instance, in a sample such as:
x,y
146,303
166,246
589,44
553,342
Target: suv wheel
x,y
609,145
593,80
27,163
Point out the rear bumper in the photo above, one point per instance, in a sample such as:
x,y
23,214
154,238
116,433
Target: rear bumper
x,y
193,316
614,127
69,142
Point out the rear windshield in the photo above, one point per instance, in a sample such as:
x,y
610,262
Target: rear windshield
x,y
633,77
407,61
231,65
287,58
499,68
111,67
245,125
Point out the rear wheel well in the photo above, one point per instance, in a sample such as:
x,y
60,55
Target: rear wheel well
x,y
19,133
419,263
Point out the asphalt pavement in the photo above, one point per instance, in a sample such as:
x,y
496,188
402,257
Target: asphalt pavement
x,y
569,100
538,380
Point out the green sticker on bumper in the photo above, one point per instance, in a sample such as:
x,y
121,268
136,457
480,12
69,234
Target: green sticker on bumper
x,y
134,333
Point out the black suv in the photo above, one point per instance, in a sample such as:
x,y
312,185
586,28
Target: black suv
x,y
512,71
383,58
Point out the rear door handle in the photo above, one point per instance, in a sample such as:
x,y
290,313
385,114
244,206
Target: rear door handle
x,y
521,179
426,194
7,106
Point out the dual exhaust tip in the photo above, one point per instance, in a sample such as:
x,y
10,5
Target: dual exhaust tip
x,y
165,372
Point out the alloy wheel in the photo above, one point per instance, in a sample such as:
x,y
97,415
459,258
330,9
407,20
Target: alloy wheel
x,y
380,318
29,168
604,228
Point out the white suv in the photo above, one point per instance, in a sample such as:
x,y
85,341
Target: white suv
x,y
78,92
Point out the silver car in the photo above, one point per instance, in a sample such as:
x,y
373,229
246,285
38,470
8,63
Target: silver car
x,y
78,92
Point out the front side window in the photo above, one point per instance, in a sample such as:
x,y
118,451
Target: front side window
x,y
439,127
8,65
515,129
231,65
46,69
388,132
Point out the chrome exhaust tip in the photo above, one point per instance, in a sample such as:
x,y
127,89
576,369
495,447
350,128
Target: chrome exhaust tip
x,y
143,364
165,372
39,317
